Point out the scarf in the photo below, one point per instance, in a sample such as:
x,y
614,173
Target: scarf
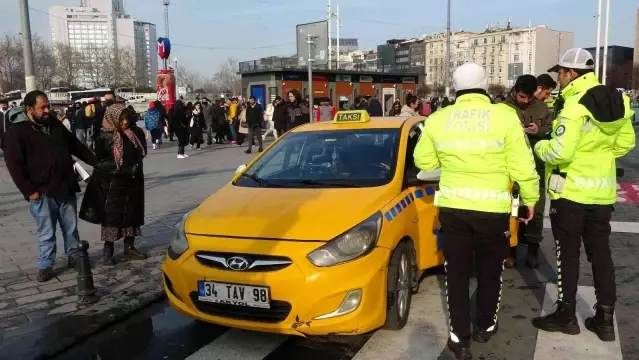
x,y
112,124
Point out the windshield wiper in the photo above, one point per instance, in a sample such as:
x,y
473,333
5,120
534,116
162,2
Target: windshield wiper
x,y
338,183
255,178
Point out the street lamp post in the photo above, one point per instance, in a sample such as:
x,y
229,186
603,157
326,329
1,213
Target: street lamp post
x,y
27,49
605,51
447,64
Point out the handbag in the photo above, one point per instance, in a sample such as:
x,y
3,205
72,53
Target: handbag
x,y
244,124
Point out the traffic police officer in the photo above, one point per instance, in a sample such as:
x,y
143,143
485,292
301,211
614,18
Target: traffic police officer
x,y
591,131
480,148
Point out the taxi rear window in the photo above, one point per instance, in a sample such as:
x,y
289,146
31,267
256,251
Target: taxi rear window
x,y
343,158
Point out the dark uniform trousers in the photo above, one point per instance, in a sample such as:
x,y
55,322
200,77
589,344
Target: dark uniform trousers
x,y
571,222
475,237
532,233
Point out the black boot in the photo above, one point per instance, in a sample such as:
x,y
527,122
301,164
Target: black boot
x,y
482,336
461,349
130,252
511,260
107,254
603,323
562,320
532,258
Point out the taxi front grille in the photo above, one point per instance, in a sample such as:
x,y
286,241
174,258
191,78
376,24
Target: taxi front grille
x,y
242,262
277,313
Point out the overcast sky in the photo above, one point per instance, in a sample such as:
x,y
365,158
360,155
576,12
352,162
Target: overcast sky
x,y
205,32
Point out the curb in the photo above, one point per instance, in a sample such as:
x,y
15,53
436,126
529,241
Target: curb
x,y
47,339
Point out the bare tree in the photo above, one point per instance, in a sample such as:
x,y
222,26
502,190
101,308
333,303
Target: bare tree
x,y
123,71
95,63
11,63
44,63
496,89
423,91
68,63
227,78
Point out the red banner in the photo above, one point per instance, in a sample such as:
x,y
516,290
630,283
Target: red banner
x,y
166,88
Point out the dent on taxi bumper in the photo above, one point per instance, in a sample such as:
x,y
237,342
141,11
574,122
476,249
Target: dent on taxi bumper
x,y
319,293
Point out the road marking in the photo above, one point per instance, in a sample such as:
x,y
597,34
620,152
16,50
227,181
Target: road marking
x,y
425,333
238,344
616,226
584,346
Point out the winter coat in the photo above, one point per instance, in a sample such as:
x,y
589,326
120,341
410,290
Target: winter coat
x,y
268,114
375,108
326,113
280,116
196,129
407,111
39,158
254,115
152,119
298,114
209,114
114,196
220,124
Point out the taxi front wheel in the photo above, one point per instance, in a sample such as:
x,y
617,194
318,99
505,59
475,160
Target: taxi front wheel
x,y
398,287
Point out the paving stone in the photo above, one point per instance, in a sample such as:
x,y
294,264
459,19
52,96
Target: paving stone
x,y
11,275
15,280
18,294
155,259
41,297
64,309
30,284
65,300
6,304
24,309
13,321
58,285
2,290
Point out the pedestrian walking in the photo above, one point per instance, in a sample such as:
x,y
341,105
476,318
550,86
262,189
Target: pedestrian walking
x,y
114,197
37,151
474,200
4,118
268,120
537,121
152,123
280,117
180,124
197,125
254,116
233,119
220,122
209,119
298,112
593,129
410,108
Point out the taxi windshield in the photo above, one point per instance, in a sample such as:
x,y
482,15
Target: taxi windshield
x,y
339,158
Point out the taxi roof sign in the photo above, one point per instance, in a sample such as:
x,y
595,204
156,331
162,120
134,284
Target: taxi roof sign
x,y
351,117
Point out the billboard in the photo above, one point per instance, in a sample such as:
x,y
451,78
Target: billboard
x,y
319,30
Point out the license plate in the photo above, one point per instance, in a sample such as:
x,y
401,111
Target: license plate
x,y
234,294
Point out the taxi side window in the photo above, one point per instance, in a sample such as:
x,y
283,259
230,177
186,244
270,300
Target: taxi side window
x,y
410,170
283,159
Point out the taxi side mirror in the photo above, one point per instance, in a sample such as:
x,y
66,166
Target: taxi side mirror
x,y
240,169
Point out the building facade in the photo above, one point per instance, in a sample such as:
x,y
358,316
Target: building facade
x,y
102,27
620,65
635,84
505,53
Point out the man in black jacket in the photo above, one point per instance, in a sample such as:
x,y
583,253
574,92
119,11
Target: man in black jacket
x,y
4,119
254,115
38,151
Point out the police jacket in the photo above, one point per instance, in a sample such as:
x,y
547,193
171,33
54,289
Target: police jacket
x,y
592,130
481,148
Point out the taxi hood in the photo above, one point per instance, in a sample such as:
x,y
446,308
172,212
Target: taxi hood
x,y
310,214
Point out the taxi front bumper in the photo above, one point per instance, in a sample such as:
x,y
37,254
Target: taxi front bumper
x,y
299,293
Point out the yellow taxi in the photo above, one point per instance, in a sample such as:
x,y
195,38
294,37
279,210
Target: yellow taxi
x,y
326,232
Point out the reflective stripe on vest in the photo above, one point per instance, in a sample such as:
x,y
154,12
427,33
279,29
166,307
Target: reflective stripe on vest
x,y
476,194
595,183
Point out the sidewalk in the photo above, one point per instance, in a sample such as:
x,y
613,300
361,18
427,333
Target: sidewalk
x,y
41,319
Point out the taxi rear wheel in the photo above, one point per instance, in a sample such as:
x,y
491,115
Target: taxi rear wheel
x,y
398,287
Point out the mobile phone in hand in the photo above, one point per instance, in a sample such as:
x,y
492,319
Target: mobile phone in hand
x,y
523,212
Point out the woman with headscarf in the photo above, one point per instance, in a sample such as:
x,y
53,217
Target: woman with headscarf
x,y
114,197
180,123
197,124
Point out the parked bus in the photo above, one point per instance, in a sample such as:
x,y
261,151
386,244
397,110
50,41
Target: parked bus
x,y
86,95
58,95
125,92
15,95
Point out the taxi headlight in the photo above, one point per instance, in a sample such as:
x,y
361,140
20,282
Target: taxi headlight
x,y
179,244
354,243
